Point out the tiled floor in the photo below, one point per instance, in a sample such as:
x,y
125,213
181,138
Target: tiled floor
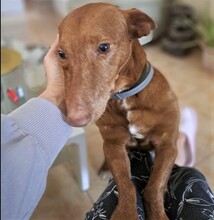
x,y
193,85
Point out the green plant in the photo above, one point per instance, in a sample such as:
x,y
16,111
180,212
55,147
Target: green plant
x,y
206,31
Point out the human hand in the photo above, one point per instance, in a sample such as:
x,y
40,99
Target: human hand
x,y
54,91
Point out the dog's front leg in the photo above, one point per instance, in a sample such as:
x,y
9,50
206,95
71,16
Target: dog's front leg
x,y
154,192
118,163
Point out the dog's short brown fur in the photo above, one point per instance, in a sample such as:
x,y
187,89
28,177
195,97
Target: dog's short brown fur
x,y
91,76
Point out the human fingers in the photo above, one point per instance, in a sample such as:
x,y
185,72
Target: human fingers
x,y
52,51
51,63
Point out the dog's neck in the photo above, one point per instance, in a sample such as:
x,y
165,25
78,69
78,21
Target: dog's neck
x,y
136,74
142,82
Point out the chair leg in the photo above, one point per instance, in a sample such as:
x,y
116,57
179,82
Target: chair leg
x,y
79,160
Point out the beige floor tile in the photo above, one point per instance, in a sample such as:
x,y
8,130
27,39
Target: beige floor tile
x,y
203,110
212,118
94,146
201,100
97,185
185,74
96,159
207,168
63,198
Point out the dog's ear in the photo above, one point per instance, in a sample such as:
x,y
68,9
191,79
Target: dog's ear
x,y
139,23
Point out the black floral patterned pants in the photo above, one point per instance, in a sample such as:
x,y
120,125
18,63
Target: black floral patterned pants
x,y
188,198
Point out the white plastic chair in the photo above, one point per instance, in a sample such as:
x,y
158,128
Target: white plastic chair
x,y
76,153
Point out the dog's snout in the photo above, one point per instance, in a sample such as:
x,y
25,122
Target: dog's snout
x,y
78,116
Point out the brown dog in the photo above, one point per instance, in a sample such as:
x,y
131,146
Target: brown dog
x,y
101,56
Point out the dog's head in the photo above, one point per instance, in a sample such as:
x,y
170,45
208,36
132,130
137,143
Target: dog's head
x,y
94,46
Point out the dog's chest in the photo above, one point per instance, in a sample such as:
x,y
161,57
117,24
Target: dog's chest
x,y
133,128
134,131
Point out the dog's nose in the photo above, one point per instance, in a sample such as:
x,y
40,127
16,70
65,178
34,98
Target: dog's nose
x,y
78,118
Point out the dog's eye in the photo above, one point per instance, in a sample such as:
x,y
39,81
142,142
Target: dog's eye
x,y
61,54
103,48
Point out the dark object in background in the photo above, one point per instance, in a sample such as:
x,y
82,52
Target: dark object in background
x,y
181,36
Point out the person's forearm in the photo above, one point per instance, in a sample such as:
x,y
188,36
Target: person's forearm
x,y
32,137
43,120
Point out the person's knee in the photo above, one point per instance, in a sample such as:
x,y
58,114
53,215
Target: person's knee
x,y
191,173
183,176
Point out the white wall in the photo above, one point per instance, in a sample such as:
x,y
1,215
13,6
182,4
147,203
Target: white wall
x,y
12,6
